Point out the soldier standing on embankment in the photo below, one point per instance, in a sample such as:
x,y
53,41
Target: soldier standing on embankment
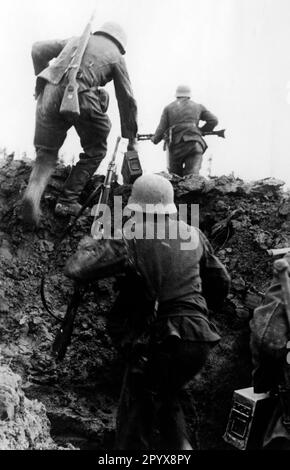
x,y
179,127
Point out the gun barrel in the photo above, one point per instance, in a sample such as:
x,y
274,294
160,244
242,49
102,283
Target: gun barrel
x,y
278,251
219,133
116,148
105,192
144,136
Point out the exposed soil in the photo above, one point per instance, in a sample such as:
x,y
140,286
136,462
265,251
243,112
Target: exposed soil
x,y
81,392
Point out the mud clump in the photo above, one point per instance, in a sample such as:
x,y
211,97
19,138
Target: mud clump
x,y
242,220
23,423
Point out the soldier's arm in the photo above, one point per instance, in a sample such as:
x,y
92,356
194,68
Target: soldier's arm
x,y
214,276
210,119
44,51
94,259
126,102
162,127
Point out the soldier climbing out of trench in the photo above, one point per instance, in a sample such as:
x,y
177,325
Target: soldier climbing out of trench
x,y
101,62
160,319
179,127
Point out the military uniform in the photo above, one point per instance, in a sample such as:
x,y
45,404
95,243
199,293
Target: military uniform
x,y
179,127
170,346
160,320
271,373
102,62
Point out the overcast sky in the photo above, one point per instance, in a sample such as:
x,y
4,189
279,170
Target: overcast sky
x,y
233,54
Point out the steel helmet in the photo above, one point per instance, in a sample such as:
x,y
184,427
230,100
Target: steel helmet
x,y
152,194
183,91
115,32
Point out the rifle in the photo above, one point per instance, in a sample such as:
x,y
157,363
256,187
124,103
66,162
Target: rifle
x,y
97,227
70,101
63,336
219,133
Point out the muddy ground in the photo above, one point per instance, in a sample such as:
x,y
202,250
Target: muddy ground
x,y
81,392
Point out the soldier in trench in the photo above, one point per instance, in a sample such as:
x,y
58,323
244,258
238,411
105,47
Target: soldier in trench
x,y
271,365
160,319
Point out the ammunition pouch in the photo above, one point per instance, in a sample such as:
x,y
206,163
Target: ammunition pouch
x,y
104,99
184,132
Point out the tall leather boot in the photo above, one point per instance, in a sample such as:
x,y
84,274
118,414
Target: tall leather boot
x,y
284,395
44,166
173,426
67,203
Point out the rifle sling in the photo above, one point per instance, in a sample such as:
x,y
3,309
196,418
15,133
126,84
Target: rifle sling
x,y
63,337
45,304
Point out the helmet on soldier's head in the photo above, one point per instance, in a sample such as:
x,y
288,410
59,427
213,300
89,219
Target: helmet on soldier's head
x,y
114,31
152,194
183,91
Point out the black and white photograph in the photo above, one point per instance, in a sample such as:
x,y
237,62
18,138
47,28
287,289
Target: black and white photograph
x,y
144,229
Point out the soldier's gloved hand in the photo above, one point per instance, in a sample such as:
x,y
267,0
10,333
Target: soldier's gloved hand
x,y
132,145
281,265
152,139
287,258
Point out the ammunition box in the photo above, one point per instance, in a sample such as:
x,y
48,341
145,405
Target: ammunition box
x,y
131,168
248,419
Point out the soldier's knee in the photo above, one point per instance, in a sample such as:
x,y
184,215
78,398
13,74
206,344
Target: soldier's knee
x,y
93,154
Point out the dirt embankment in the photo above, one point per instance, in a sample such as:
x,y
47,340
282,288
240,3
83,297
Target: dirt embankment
x,y
81,392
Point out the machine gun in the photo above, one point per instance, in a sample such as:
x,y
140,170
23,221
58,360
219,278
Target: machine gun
x,y
219,133
63,336
70,101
